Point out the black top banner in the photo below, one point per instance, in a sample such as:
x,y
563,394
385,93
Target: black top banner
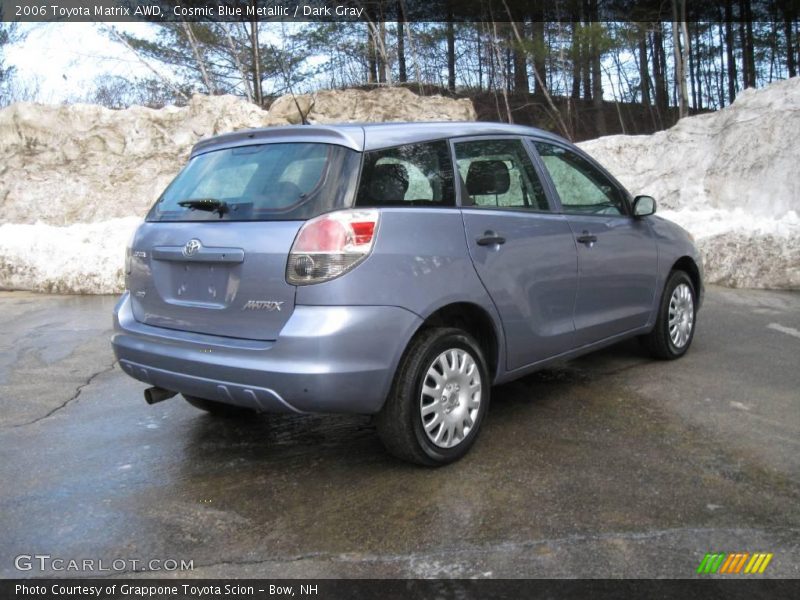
x,y
399,10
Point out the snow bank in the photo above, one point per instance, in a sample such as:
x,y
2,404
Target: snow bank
x,y
84,258
745,250
730,178
82,163
75,179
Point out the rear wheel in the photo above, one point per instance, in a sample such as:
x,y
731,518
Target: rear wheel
x,y
218,408
674,328
438,399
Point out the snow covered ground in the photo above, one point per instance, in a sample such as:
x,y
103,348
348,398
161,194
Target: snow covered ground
x,y
75,180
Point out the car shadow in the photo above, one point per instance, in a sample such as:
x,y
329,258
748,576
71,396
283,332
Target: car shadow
x,y
265,436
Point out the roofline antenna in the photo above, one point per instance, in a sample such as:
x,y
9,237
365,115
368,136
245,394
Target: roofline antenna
x,y
288,82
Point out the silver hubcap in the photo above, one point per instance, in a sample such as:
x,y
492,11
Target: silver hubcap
x,y
681,315
451,397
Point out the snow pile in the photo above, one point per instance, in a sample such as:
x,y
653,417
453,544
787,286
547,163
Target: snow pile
x,y
84,258
730,178
84,163
75,179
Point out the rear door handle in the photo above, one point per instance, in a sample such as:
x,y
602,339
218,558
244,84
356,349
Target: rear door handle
x,y
490,238
587,238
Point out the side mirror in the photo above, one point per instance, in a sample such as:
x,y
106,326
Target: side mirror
x,y
644,206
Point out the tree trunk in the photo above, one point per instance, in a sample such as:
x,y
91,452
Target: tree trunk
x,y
680,40
401,43
372,56
746,40
697,70
685,51
521,83
743,46
721,78
750,52
692,86
541,85
597,73
383,62
659,72
539,50
494,41
680,76
730,48
451,53
576,59
788,20
586,67
644,71
256,56
201,63
479,45
509,67
248,88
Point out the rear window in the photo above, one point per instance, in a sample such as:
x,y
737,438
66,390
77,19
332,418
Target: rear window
x,y
287,181
410,175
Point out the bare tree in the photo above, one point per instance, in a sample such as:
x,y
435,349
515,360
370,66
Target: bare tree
x,y
678,47
201,63
255,48
178,92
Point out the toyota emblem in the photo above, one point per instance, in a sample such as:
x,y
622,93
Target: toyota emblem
x,y
191,248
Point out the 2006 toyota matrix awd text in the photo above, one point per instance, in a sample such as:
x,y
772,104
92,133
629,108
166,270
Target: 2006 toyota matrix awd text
x,y
398,270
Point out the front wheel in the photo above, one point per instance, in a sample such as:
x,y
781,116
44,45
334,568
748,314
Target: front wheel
x,y
438,399
674,328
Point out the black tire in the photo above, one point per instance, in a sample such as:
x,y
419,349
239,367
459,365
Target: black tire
x,y
400,422
218,409
658,342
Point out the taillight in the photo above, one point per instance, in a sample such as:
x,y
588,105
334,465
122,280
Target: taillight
x,y
330,245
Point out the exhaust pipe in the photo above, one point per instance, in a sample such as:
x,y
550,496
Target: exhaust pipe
x,y
157,394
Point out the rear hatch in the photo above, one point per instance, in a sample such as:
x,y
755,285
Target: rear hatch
x,y
211,257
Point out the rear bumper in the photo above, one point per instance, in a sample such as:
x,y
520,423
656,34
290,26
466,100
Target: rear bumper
x,y
326,359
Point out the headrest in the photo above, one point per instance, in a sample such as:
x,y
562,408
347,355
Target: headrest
x,y
389,183
488,177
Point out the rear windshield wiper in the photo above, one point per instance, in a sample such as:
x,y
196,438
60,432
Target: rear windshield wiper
x,y
209,204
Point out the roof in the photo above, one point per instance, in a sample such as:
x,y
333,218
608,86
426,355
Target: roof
x,y
365,136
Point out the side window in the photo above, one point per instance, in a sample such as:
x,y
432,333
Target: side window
x,y
499,174
411,175
581,187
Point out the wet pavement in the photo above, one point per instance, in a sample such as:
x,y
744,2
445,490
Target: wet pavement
x,y
611,465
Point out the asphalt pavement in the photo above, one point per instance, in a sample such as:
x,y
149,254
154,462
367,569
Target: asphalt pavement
x,y
612,465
